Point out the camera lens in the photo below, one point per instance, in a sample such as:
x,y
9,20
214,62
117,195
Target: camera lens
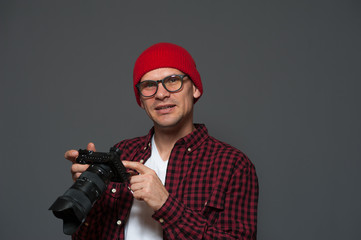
x,y
76,202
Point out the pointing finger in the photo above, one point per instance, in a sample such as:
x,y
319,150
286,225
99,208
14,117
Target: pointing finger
x,y
139,167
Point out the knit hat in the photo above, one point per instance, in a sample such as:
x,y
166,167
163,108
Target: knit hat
x,y
165,55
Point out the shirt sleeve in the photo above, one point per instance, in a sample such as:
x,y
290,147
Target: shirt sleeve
x,y
228,214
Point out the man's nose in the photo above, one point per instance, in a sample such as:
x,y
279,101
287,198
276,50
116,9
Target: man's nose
x,y
162,92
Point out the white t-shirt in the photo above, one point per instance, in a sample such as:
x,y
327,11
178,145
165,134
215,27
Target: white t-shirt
x,y
141,225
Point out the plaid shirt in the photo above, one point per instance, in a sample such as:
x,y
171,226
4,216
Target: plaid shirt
x,y
213,193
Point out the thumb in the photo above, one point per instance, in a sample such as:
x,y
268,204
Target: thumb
x,y
91,147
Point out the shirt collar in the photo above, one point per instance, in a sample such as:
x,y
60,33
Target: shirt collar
x,y
195,138
191,141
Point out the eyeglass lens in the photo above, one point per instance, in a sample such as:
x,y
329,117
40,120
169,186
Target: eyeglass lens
x,y
172,84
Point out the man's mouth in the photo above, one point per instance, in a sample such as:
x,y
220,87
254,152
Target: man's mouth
x,y
164,107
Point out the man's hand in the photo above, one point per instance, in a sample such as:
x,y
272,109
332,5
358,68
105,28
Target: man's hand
x,y
147,186
78,169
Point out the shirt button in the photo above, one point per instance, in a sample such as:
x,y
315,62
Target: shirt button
x,y
86,224
114,190
161,220
189,149
141,160
119,222
145,148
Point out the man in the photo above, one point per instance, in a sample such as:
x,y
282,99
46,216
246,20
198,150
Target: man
x,y
188,185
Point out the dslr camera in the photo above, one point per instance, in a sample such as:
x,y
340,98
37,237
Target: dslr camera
x,y
74,205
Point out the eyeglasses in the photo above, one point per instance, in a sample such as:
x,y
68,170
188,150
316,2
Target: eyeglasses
x,y
149,88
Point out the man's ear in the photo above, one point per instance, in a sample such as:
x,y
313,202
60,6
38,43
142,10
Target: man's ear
x,y
196,92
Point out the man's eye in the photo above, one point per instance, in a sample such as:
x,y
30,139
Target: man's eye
x,y
148,84
173,79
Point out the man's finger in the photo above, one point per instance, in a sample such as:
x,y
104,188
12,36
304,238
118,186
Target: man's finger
x,y
139,167
79,168
91,147
76,176
71,155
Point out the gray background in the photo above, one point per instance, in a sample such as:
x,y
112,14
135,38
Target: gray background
x,y
281,80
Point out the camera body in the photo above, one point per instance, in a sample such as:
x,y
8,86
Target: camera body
x,y
119,172
76,202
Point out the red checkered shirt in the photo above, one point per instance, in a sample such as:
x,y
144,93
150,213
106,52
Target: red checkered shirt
x,y
213,193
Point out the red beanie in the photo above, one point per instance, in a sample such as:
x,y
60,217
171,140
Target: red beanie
x,y
165,55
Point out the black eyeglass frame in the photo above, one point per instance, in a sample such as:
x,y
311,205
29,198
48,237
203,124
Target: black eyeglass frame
x,y
161,81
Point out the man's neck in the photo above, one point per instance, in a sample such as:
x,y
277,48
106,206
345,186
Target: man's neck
x,y
165,138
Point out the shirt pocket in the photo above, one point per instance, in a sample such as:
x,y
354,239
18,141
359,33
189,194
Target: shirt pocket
x,y
214,206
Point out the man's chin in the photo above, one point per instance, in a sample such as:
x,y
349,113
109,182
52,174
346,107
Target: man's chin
x,y
171,124
166,125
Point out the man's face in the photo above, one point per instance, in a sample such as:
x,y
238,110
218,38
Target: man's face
x,y
167,109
